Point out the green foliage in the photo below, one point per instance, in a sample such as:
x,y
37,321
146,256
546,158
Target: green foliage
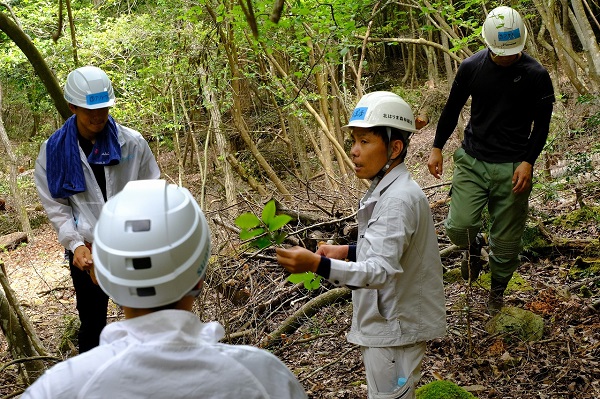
x,y
579,217
534,242
263,232
266,231
443,389
593,121
310,280
70,329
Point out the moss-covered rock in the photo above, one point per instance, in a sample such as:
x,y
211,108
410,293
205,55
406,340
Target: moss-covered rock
x,y
514,322
592,250
578,217
516,283
584,267
452,276
443,389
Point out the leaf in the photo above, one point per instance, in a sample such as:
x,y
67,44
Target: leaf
x,y
298,277
278,222
247,221
280,237
311,281
314,283
248,234
262,242
268,212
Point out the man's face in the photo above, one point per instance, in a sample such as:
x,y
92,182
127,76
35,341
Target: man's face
x,y
368,153
90,122
504,60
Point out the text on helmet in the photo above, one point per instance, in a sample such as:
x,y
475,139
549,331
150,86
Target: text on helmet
x,y
97,98
397,118
359,114
510,35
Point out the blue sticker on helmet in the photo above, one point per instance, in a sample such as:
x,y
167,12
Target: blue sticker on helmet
x,y
359,114
97,98
510,35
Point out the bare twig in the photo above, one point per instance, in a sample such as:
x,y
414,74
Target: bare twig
x,y
29,359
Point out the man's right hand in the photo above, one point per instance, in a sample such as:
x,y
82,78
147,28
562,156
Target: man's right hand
x,y
82,258
436,163
333,251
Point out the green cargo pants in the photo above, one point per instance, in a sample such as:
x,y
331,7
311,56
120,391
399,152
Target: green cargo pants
x,y
475,184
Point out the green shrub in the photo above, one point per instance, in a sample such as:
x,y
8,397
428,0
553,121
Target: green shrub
x,y
443,389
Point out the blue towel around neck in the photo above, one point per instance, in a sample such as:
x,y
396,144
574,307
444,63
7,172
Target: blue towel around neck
x,y
64,170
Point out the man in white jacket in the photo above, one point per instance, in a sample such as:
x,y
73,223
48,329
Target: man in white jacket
x,y
84,163
152,247
395,269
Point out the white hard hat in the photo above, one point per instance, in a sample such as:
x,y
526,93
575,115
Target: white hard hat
x,y
89,87
382,108
151,244
504,31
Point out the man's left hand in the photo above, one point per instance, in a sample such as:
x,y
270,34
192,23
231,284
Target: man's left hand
x,y
521,179
298,259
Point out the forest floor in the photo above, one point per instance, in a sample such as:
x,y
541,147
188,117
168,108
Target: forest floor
x,y
249,295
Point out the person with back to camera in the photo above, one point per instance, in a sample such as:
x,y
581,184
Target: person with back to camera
x,y
512,99
85,162
152,246
395,269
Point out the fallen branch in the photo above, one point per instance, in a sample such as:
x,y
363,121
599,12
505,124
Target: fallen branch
x,y
309,309
26,325
448,250
565,244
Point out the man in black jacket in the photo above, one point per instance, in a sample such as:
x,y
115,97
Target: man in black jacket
x,y
511,105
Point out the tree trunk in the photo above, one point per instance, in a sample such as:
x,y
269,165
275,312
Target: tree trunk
x,y
73,36
447,61
297,135
588,39
19,333
321,123
564,53
211,98
14,187
236,110
324,142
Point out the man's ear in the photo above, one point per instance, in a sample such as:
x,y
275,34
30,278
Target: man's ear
x,y
397,147
72,107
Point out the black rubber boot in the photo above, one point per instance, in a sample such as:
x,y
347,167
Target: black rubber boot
x,y
471,265
496,300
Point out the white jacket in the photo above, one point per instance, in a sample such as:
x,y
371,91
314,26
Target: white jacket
x,y
398,270
74,218
167,354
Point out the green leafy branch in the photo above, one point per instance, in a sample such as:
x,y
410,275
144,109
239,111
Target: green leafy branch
x,y
266,231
